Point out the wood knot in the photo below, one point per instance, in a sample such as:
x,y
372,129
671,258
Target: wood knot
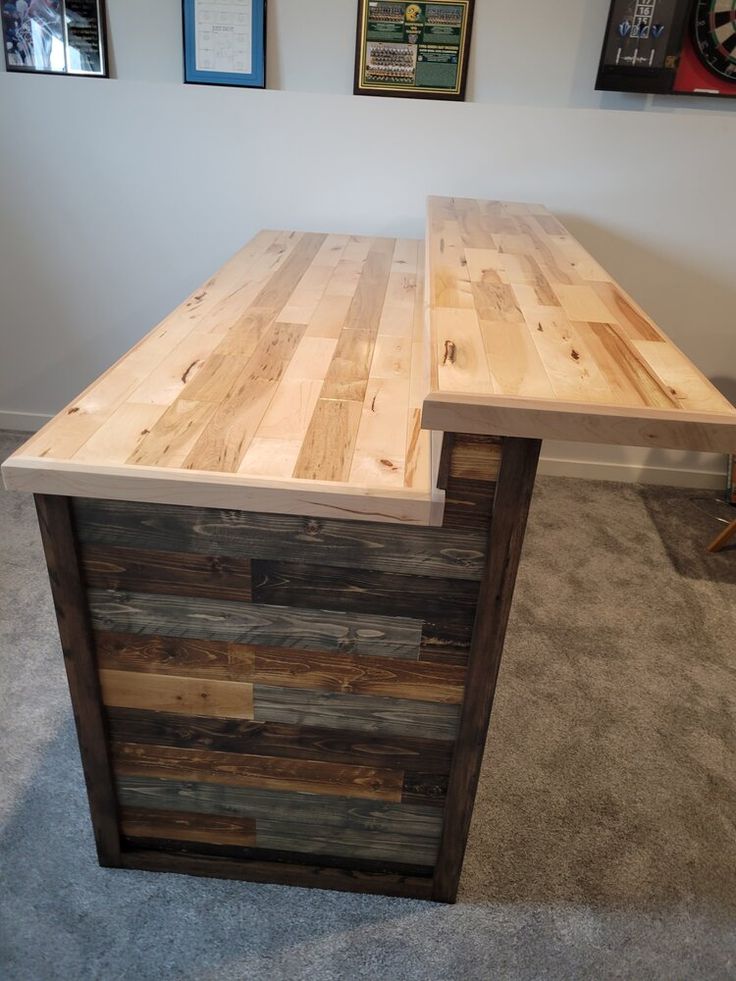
x,y
450,353
575,356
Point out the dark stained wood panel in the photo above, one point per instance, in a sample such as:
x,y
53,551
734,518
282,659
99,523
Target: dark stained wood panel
x,y
244,623
361,713
315,876
180,656
359,591
181,826
297,742
292,822
452,553
265,772
172,573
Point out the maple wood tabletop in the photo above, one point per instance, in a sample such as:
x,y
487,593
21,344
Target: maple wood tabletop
x,y
531,337
291,382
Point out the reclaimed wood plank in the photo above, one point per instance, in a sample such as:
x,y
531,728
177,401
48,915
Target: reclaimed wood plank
x,y
171,573
388,716
311,671
297,742
182,695
321,825
264,772
181,826
355,591
250,623
455,554
179,656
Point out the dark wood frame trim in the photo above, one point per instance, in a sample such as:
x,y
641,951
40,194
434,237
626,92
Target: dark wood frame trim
x,y
70,601
511,504
303,876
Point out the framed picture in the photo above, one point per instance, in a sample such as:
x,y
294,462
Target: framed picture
x,y
225,42
55,37
415,50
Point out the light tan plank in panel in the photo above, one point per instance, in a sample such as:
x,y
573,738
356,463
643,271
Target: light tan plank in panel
x,y
181,696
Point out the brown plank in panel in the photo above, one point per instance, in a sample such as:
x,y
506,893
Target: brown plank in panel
x,y
297,742
475,458
181,826
173,573
397,717
184,696
265,772
250,623
306,876
60,549
468,503
180,656
277,667
510,513
456,553
358,591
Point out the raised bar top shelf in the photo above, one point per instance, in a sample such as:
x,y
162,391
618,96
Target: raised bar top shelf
x,y
531,337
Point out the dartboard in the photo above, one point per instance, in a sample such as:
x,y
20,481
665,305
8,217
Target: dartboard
x,y
715,36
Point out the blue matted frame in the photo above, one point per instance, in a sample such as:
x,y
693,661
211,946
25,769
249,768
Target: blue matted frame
x,y
256,79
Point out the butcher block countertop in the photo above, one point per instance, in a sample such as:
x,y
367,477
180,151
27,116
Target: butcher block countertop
x,y
291,382
297,379
530,337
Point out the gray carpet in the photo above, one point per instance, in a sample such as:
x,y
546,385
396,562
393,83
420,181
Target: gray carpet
x,y
604,839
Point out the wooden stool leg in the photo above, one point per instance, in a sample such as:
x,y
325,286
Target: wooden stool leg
x,y
722,540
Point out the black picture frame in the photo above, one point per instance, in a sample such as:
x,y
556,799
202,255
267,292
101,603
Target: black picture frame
x,y
397,91
55,37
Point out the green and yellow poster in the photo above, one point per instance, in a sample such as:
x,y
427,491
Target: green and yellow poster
x,y
413,49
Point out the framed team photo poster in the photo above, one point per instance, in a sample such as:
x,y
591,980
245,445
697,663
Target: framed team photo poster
x,y
415,50
55,37
225,42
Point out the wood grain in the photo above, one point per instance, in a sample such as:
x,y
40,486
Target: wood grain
x,y
170,573
510,512
450,554
504,282
246,623
181,826
169,693
60,550
265,772
346,827
359,713
295,742
260,391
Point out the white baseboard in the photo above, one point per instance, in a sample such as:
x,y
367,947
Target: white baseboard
x,y
550,465
23,422
627,473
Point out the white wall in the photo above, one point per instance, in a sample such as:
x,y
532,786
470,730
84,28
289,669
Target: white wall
x,y
118,197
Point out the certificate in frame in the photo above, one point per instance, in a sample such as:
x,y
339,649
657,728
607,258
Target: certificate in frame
x,y
55,37
225,42
413,50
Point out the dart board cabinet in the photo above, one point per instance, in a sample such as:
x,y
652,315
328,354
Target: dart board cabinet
x,y
670,47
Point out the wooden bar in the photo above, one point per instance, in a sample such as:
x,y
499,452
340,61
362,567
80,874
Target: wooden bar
x,y
282,603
